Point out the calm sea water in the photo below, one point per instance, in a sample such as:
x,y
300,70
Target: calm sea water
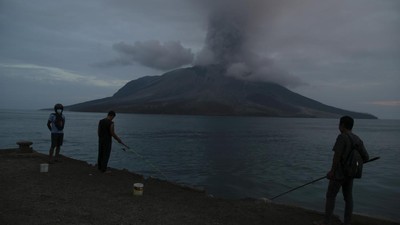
x,y
231,157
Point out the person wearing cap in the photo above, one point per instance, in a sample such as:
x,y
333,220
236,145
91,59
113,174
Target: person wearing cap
x,y
56,124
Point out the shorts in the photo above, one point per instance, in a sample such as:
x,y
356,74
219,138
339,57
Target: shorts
x,y
57,139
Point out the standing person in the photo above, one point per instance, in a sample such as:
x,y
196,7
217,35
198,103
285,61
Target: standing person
x,y
337,179
56,124
105,132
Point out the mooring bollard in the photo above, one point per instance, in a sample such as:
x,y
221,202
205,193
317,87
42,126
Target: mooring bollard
x,y
24,146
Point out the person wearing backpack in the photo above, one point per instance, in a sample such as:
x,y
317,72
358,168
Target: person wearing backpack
x,y
342,174
56,124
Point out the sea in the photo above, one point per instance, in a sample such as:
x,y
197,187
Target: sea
x,y
230,157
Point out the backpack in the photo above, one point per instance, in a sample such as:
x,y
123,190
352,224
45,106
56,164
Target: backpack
x,y
353,163
59,121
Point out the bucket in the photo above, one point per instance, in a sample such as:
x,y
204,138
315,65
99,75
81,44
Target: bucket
x,y
138,189
44,168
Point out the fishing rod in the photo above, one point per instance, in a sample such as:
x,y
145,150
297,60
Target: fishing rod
x,y
126,146
144,159
373,159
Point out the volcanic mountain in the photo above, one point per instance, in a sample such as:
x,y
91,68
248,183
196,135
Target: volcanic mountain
x,y
205,90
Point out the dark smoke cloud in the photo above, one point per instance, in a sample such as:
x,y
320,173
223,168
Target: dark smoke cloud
x,y
232,27
153,54
227,33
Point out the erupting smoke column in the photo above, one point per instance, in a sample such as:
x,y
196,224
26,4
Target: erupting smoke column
x,y
227,33
226,38
231,25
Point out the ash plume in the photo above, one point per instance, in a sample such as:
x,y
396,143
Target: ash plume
x,y
232,26
227,33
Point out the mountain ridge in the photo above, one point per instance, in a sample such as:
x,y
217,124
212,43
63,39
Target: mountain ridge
x,y
205,90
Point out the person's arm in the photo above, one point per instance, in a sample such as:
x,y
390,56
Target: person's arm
x,y
98,129
49,121
363,152
115,136
338,149
49,124
335,164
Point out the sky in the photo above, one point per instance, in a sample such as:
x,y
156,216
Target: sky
x,y
343,53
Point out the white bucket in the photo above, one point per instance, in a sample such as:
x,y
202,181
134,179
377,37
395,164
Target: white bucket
x,y
138,189
44,168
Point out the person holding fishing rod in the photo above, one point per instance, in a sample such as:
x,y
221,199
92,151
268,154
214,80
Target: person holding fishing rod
x,y
106,132
345,143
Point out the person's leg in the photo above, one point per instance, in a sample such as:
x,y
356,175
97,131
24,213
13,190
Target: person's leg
x,y
104,155
60,140
107,153
331,193
57,155
347,191
51,151
100,157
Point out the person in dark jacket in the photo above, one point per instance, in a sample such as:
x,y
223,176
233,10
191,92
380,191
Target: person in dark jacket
x,y
337,178
106,132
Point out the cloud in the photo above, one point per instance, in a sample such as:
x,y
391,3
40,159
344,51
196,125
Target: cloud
x,y
335,46
53,74
153,54
394,103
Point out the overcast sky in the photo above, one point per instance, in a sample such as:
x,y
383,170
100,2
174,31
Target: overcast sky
x,y
343,53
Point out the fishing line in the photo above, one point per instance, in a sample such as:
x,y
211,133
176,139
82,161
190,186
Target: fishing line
x,y
128,149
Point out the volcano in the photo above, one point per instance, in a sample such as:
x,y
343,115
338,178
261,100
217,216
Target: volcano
x,y
205,90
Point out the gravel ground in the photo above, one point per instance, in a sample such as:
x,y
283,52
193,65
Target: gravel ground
x,y
74,192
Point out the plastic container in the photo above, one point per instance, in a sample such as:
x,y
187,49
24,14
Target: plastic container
x,y
138,189
44,168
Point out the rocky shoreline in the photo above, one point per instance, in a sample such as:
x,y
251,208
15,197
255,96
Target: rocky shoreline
x,y
74,192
